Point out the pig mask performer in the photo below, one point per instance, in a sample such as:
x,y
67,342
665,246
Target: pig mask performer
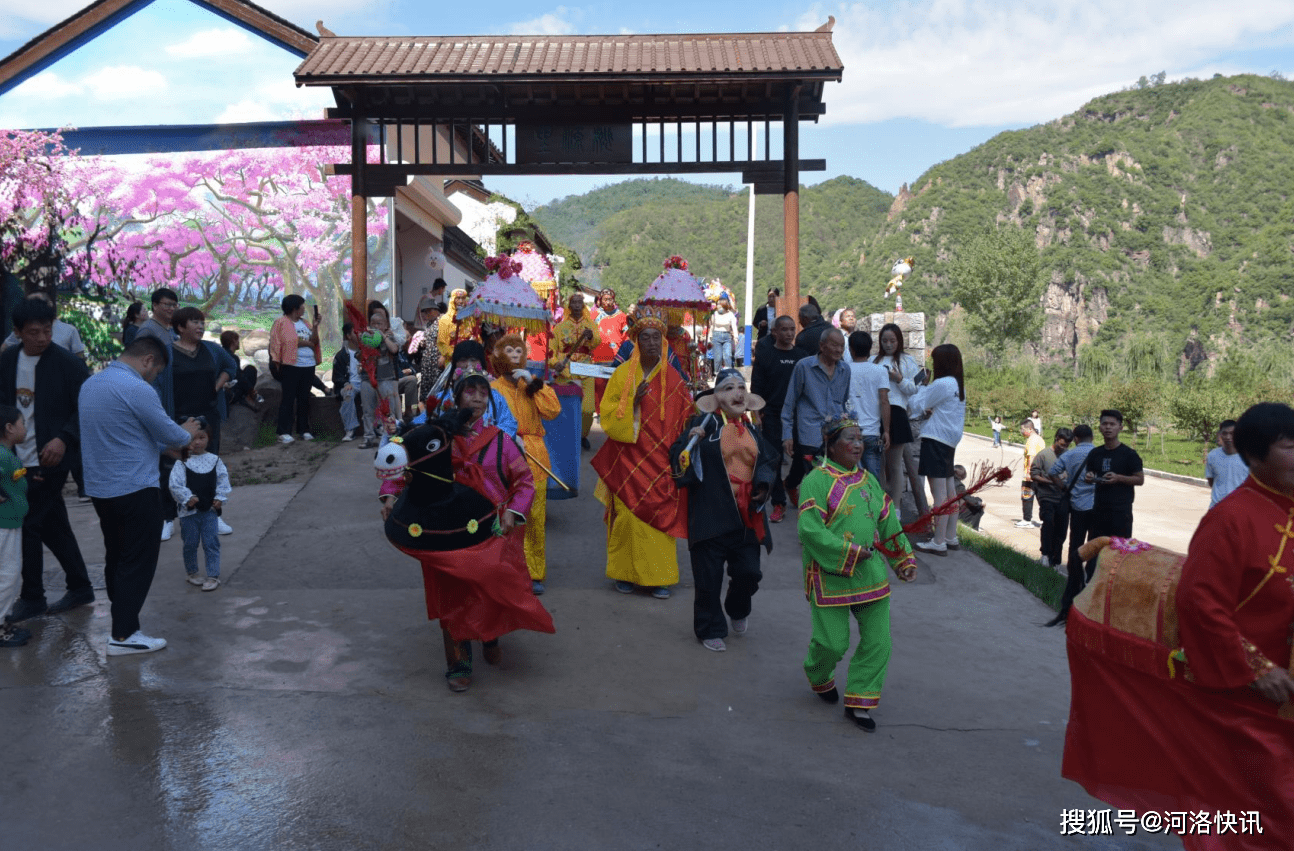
x,y
728,467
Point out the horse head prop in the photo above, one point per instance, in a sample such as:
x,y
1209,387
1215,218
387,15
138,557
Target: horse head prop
x,y
435,512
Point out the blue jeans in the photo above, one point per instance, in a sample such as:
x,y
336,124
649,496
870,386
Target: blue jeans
x,y
873,456
200,528
997,437
721,345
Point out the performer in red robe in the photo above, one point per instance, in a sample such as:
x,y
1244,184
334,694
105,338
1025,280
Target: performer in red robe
x,y
1218,737
644,410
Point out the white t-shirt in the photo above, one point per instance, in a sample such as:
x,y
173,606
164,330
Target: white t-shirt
x,y
947,412
723,323
1228,472
866,380
305,355
25,396
64,334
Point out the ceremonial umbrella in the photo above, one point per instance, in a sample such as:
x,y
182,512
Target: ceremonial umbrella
x,y
506,298
675,293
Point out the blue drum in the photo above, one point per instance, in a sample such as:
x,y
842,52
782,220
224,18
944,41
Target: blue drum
x,y
562,437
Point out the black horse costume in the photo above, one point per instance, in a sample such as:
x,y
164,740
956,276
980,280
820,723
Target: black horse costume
x,y
476,580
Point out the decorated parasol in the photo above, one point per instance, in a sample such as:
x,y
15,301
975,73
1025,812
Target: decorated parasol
x,y
714,288
506,298
675,293
535,269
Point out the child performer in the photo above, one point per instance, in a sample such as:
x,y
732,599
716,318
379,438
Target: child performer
x,y
531,402
13,508
844,513
729,472
200,486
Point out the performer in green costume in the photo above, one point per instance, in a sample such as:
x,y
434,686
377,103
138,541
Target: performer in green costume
x,y
844,513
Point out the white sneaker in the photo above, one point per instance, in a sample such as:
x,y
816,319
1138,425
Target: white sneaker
x,y
1023,524
137,643
932,548
211,583
168,529
305,435
1037,524
286,438
348,436
1044,561
195,579
223,528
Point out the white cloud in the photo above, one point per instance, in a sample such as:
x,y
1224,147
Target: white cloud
x,y
46,86
125,82
23,18
555,22
248,110
964,63
226,41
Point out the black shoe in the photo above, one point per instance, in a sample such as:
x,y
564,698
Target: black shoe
x,y
584,442
14,637
24,609
71,600
864,721
832,696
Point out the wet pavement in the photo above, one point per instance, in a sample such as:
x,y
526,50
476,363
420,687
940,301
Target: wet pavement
x,y
303,706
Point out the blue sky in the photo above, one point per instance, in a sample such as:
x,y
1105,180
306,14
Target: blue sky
x,y
924,80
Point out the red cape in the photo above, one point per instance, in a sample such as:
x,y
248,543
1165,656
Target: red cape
x,y
482,592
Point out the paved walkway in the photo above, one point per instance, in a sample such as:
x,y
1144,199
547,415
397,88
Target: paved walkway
x,y
303,706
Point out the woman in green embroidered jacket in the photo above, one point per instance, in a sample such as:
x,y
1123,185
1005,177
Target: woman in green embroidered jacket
x,y
844,513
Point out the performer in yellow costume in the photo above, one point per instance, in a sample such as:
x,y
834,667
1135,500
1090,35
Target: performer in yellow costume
x,y
644,409
452,331
574,339
531,402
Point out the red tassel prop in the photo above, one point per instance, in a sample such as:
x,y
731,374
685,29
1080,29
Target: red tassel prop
x,y
984,476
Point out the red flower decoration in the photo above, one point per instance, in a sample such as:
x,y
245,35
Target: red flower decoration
x,y
676,262
503,265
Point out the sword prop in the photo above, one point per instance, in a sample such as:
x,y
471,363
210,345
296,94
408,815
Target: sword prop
x,y
540,465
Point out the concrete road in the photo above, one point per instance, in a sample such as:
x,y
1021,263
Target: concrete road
x,y
1165,512
303,706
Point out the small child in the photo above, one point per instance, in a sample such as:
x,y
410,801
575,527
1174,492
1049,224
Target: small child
x,y
13,508
972,510
200,486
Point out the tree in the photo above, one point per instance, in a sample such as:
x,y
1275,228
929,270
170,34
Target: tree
x,y
998,280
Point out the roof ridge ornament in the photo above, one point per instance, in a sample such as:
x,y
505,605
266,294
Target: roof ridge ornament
x,y
826,28
324,32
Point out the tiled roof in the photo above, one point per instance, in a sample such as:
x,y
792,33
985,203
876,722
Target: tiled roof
x,y
409,59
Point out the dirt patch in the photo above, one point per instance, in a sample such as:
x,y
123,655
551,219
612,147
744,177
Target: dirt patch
x,y
270,465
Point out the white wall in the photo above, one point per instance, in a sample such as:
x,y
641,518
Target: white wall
x,y
481,221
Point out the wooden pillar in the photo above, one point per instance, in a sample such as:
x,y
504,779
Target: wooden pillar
x,y
358,216
791,201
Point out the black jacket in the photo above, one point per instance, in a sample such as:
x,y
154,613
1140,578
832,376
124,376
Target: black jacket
x,y
341,370
711,505
59,376
809,338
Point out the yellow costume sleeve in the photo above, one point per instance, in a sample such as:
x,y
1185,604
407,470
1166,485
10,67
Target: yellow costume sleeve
x,y
547,403
445,338
621,425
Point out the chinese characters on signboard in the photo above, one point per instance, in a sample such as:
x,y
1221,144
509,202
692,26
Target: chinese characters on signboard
x,y
574,143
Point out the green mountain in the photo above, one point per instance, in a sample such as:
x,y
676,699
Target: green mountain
x,y
1165,209
630,245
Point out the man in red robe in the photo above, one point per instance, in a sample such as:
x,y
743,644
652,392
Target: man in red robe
x,y
1218,738
644,410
